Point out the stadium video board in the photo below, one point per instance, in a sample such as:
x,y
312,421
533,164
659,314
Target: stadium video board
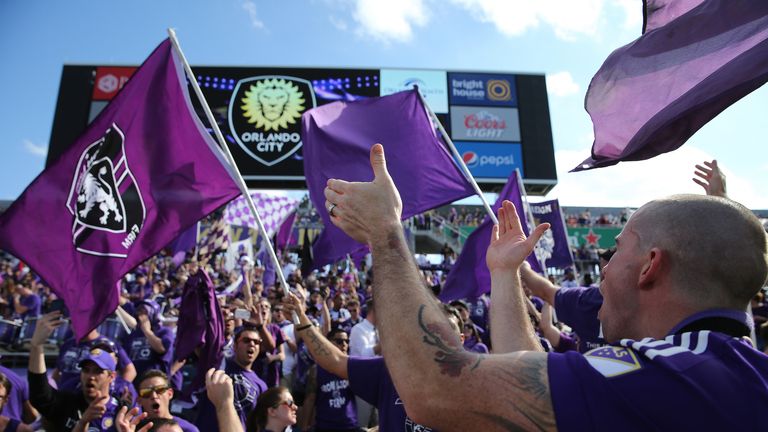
x,y
498,121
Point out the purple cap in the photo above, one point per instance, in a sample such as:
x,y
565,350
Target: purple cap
x,y
101,357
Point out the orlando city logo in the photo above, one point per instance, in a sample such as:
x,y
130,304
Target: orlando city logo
x,y
265,115
104,199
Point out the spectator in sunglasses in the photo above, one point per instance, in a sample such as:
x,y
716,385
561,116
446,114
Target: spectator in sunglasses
x,y
155,396
275,411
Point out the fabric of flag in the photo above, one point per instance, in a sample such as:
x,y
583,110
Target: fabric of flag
x,y
200,325
552,249
273,210
285,232
694,59
214,240
143,171
469,278
337,142
184,243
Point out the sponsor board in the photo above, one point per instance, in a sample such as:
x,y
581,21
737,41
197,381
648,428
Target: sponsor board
x,y
482,89
485,124
491,160
432,85
109,80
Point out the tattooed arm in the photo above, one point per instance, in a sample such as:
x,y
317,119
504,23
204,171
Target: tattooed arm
x,y
326,354
511,330
424,355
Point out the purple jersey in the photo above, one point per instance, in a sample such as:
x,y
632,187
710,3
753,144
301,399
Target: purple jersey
x,y
472,344
14,405
694,380
185,425
270,372
247,387
335,407
578,307
142,354
370,380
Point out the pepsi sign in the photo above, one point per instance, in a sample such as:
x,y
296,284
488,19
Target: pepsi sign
x,y
491,160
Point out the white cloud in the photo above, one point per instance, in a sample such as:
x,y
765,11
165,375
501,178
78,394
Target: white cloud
x,y
632,184
562,84
391,20
567,18
633,14
40,150
250,7
338,23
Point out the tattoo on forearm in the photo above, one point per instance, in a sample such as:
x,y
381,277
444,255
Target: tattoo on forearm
x,y
451,356
317,344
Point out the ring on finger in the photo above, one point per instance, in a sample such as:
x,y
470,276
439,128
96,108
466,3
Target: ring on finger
x,y
330,209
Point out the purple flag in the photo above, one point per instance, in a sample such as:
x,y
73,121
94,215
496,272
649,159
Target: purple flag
x,y
694,59
143,172
183,244
284,234
552,249
200,325
337,141
470,278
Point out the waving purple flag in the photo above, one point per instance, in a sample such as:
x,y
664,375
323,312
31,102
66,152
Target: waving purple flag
x,y
552,249
337,141
470,278
143,172
200,325
694,59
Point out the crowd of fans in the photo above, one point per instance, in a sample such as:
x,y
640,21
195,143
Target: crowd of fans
x,y
306,358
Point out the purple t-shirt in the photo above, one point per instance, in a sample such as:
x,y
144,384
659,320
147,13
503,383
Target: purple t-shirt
x,y
32,302
335,407
14,406
578,307
247,387
143,356
700,380
472,344
270,372
185,425
370,380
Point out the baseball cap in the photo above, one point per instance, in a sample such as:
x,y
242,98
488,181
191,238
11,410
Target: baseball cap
x,y
101,358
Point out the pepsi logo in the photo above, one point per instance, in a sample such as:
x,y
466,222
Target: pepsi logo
x,y
470,159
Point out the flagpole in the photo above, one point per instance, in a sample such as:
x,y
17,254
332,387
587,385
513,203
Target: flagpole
x,y
458,157
230,159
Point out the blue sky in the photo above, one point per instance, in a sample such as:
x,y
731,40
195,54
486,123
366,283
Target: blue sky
x,y
566,40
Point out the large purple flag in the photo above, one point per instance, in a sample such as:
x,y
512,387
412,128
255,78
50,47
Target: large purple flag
x,y
694,59
143,172
337,141
552,249
200,325
470,278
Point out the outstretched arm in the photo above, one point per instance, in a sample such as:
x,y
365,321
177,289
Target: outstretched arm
x,y
540,286
424,355
508,249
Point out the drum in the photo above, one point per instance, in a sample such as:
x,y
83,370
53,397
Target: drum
x,y
112,329
28,330
9,332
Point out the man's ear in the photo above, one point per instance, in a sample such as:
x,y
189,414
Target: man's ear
x,y
654,265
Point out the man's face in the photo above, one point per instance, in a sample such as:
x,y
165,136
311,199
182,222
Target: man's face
x,y
354,311
265,309
277,315
247,347
95,380
155,397
619,285
341,340
338,301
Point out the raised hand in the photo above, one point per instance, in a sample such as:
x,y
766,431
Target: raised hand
x,y
365,209
126,421
218,387
711,178
509,246
46,324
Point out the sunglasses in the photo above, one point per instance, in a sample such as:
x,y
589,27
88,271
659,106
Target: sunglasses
x,y
147,392
341,341
247,340
288,403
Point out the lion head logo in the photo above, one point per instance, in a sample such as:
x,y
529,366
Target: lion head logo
x,y
272,104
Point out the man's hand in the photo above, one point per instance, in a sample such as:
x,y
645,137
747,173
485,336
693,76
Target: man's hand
x,y
509,247
96,409
218,387
712,179
126,421
46,324
294,304
363,210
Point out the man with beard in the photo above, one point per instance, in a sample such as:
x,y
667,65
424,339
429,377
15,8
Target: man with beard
x,y
91,409
247,385
155,394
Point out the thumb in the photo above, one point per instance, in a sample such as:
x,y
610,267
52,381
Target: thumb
x,y
378,162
